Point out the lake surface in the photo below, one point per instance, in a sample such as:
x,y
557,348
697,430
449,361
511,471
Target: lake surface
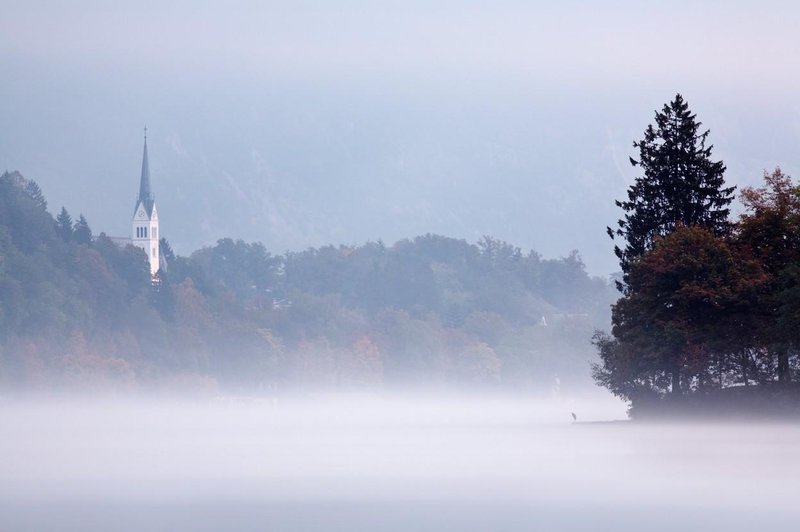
x,y
378,464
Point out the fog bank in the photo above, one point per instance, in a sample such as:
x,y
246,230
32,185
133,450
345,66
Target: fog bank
x,y
368,463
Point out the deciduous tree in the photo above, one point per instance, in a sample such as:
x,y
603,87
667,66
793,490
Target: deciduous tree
x,y
769,230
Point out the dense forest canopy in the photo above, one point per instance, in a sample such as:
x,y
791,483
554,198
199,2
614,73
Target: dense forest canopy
x,y
79,312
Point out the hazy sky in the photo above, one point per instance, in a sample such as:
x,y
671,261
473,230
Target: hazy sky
x,y
303,123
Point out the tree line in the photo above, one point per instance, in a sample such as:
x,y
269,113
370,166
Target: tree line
x,y
77,311
710,303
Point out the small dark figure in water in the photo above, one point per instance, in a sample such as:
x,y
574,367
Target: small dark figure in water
x,y
574,417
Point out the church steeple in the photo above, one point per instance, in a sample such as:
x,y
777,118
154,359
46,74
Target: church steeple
x,y
144,231
145,192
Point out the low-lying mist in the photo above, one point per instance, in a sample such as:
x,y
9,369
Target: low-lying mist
x,y
369,462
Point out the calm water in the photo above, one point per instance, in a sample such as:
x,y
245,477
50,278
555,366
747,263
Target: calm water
x,y
367,464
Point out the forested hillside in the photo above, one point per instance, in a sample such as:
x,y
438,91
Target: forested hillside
x,y
79,312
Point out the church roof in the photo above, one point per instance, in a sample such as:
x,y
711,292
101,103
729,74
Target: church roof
x,y
145,192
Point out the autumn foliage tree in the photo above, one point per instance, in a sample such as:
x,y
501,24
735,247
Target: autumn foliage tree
x,y
690,305
769,230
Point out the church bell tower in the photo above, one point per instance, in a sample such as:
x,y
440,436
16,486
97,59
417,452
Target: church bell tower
x,y
144,233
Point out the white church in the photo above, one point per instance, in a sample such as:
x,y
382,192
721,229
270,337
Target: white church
x,y
144,230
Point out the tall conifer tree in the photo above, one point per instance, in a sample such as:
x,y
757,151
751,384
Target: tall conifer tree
x,y
680,184
64,225
82,233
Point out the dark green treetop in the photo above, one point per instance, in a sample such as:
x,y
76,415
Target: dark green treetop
x,y
64,225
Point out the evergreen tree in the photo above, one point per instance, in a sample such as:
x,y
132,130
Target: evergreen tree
x,y
64,225
680,184
34,192
82,232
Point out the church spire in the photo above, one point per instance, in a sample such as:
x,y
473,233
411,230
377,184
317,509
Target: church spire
x,y
144,228
145,192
